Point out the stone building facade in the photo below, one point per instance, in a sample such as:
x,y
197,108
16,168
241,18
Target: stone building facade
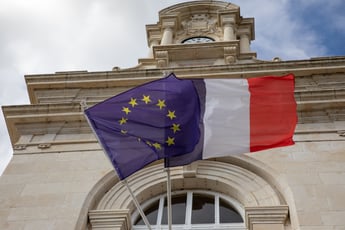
x,y
59,177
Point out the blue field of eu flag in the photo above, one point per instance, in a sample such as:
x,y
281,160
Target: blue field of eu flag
x,y
156,120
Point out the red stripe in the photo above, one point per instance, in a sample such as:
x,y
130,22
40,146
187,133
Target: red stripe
x,y
273,114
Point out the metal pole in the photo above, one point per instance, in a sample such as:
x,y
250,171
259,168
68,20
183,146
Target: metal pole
x,y
169,198
136,203
142,214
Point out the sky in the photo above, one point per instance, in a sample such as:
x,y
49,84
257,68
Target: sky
x,y
47,36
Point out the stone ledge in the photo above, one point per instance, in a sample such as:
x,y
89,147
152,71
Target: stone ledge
x,y
272,215
110,219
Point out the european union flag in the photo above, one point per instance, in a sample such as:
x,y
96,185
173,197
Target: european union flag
x,y
153,121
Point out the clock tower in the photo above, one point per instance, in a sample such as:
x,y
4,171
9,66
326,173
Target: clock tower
x,y
202,32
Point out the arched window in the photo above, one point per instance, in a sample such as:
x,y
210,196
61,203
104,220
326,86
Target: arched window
x,y
192,209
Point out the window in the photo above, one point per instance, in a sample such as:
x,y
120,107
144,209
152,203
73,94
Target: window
x,y
192,210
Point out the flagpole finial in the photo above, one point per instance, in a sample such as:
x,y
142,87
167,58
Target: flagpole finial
x,y
83,105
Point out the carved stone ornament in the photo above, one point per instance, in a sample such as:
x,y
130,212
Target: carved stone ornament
x,y
230,54
162,54
162,58
19,147
161,63
341,133
230,50
230,59
44,146
199,24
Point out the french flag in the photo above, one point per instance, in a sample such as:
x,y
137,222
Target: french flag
x,y
247,115
184,120
242,116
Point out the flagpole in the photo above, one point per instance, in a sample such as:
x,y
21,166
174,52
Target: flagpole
x,y
136,203
84,106
169,198
167,167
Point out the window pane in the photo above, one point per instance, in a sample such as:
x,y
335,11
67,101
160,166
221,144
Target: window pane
x,y
202,209
151,214
228,214
178,205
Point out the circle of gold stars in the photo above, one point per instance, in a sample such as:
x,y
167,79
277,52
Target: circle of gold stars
x,y
161,104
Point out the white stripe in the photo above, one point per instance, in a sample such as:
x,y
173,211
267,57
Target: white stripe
x,y
226,119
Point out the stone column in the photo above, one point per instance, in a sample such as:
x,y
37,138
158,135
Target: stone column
x,y
244,43
229,33
228,23
167,37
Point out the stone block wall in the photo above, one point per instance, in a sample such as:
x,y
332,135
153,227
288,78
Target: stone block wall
x,y
47,190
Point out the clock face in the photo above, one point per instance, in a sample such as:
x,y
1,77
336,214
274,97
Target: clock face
x,y
197,40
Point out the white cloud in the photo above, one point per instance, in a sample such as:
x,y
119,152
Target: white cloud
x,y
279,32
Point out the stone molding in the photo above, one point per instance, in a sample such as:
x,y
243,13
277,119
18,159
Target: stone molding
x,y
110,219
168,54
246,187
168,22
227,19
269,215
267,206
91,80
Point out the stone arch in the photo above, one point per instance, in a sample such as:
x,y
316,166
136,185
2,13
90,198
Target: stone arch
x,y
243,178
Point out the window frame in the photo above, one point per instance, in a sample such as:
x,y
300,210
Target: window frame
x,y
188,217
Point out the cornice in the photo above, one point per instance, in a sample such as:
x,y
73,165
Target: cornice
x,y
320,94
300,67
199,5
133,77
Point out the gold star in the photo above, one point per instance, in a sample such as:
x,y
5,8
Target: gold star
x,y
133,102
146,99
170,141
126,110
161,104
175,127
171,114
123,121
157,146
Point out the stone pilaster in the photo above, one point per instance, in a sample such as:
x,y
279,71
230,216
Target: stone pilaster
x,y
154,41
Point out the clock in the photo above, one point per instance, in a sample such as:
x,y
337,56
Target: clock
x,y
197,40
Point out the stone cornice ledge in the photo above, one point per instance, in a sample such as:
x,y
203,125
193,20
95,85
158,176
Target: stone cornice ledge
x,y
112,219
266,215
239,70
